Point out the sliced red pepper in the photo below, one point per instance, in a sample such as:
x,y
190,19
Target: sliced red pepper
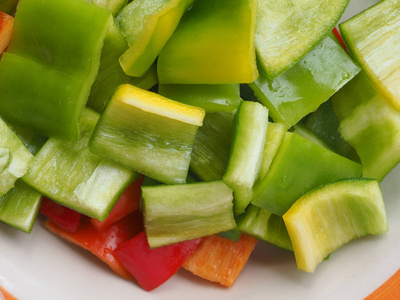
x,y
127,203
6,26
102,244
339,37
62,216
153,267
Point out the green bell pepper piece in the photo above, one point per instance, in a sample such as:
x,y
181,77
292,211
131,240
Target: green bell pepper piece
x,y
370,124
246,152
52,62
32,141
287,30
149,133
264,226
111,75
15,159
211,97
147,26
325,124
213,44
212,146
312,81
20,206
71,175
298,167
372,37
176,213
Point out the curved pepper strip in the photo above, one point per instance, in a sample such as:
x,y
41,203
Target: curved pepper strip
x,y
6,27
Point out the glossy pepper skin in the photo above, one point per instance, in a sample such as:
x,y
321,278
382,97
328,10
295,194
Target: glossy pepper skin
x,y
303,88
45,78
213,44
152,267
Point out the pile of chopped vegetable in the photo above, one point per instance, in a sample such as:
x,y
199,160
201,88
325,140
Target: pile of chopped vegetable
x,y
164,134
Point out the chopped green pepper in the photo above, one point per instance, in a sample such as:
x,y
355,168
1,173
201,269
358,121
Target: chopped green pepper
x,y
312,81
213,44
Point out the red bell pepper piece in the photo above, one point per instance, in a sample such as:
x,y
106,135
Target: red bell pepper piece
x,y
62,216
127,203
339,37
153,267
6,26
102,244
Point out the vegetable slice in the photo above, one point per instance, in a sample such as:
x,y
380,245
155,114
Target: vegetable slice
x,y
264,226
388,290
298,167
149,133
212,146
127,203
220,260
19,207
372,37
148,25
213,44
152,267
328,217
71,175
52,62
303,88
175,213
246,153
285,34
370,124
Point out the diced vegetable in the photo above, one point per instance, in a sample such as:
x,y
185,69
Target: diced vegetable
x,y
246,153
127,203
370,125
220,260
328,217
152,267
298,167
147,26
149,133
309,83
176,213
264,226
285,34
325,124
212,146
15,159
19,207
71,175
46,77
64,217
213,44
372,38
102,244
111,75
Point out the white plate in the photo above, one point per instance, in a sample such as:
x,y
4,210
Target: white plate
x,y
41,266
